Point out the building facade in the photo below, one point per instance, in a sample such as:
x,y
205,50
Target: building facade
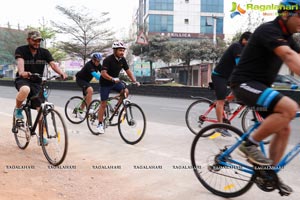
x,y
181,18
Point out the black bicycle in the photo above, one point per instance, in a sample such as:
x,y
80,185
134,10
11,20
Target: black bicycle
x,y
129,117
52,133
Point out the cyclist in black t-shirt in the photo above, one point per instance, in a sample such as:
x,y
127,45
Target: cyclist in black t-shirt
x,y
270,45
31,58
222,72
111,67
86,74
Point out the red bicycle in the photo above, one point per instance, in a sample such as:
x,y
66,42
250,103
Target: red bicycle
x,y
202,112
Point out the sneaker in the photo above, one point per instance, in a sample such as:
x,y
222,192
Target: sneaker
x,y
81,116
283,188
18,113
100,128
255,155
45,141
223,132
91,111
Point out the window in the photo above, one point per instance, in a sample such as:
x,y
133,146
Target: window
x,y
160,23
207,25
186,21
212,6
161,5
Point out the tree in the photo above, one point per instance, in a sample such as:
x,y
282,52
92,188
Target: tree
x,y
87,33
10,39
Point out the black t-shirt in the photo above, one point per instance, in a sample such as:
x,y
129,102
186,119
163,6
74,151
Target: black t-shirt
x,y
258,61
113,68
227,62
86,72
36,63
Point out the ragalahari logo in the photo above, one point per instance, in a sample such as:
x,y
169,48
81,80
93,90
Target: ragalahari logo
x,y
236,10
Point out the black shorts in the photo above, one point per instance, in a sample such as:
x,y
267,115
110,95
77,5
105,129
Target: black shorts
x,y
220,86
257,96
35,91
83,84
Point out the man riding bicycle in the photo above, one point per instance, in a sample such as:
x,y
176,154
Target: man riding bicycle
x,y
112,65
269,47
86,74
222,72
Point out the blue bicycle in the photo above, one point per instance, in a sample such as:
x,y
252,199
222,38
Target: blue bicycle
x,y
223,170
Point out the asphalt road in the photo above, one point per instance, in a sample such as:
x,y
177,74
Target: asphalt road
x,y
153,169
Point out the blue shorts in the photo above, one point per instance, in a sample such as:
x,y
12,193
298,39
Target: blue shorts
x,y
105,90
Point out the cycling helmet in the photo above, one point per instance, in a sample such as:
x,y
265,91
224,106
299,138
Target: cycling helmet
x,y
97,56
117,45
289,5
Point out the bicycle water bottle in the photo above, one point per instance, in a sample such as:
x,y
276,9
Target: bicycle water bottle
x,y
45,93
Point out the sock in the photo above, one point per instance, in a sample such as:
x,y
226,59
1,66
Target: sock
x,y
251,141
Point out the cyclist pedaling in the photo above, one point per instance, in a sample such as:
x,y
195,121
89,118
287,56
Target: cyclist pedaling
x,y
112,65
90,70
269,47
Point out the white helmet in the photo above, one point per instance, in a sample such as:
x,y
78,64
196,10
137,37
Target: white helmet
x,y
117,45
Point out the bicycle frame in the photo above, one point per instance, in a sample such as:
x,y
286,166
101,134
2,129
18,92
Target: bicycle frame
x,y
230,118
287,158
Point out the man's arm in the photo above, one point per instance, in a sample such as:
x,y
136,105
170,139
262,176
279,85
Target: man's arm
x,y
58,70
21,68
130,75
290,57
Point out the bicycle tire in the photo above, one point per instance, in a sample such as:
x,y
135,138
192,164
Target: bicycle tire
x,y
248,118
223,181
195,118
73,112
21,130
132,123
55,132
92,117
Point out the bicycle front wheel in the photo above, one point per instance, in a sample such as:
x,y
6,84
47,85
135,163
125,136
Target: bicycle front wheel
x,y
75,110
21,130
54,137
132,123
249,118
199,114
92,117
222,180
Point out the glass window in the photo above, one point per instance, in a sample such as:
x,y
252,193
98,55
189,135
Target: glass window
x,y
160,23
209,27
161,5
212,6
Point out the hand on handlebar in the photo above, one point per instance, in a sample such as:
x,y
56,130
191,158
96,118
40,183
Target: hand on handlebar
x,y
137,83
116,80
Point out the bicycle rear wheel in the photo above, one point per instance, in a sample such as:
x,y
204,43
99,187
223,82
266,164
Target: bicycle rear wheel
x,y
54,131
21,131
92,117
132,123
199,114
74,111
220,180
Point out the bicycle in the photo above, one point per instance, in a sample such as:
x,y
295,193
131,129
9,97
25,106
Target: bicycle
x,y
202,112
221,169
131,119
52,127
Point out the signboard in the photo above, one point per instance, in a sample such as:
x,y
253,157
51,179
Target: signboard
x,y
142,39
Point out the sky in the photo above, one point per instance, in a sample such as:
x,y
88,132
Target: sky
x,y
34,12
